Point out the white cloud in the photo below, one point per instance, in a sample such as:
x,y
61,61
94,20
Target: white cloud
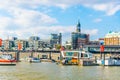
x,y
4,21
113,10
110,7
30,18
91,32
20,15
22,22
101,7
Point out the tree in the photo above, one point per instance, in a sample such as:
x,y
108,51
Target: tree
x,y
58,46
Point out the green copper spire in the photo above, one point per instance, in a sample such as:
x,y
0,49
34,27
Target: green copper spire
x,y
78,29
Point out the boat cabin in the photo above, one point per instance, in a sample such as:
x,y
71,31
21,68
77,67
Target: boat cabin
x,y
72,57
76,54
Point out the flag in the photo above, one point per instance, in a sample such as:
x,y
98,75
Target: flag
x,y
0,42
19,46
102,48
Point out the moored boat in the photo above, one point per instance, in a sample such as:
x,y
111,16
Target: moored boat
x,y
7,58
109,62
34,60
76,57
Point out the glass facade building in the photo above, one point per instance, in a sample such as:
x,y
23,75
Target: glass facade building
x,y
56,39
79,39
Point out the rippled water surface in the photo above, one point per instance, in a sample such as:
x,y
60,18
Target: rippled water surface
x,y
51,71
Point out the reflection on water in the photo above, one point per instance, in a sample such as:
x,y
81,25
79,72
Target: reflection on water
x,y
51,71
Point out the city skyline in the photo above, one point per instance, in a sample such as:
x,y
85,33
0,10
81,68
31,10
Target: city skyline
x,y
24,18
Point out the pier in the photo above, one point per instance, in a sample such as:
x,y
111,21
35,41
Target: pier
x,y
22,55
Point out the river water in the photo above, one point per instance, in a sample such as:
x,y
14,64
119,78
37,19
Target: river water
x,y
51,71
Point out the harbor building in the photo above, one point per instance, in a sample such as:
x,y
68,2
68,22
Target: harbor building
x,y
79,39
34,42
112,38
34,38
22,43
94,43
56,39
7,44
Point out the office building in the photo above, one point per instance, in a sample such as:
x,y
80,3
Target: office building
x,y
34,38
34,42
79,39
56,39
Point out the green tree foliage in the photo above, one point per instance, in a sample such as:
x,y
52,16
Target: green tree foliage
x,y
58,46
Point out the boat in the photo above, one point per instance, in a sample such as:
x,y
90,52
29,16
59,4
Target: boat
x,y
76,54
76,57
34,60
109,61
7,58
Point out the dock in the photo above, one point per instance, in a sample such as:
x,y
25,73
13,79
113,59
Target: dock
x,y
7,64
48,60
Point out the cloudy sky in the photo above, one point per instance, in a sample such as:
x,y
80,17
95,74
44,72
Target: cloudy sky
x,y
23,18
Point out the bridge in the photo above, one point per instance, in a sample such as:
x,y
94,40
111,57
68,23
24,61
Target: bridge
x,y
91,48
107,48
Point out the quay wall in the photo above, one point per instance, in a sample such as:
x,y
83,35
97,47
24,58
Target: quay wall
x,y
24,55
55,56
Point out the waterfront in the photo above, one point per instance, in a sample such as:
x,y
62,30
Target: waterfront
x,y
51,71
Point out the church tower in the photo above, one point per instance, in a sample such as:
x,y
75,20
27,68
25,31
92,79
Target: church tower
x,y
78,27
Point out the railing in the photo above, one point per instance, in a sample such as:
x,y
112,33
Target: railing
x,y
107,49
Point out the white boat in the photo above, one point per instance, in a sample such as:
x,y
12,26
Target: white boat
x,y
109,62
73,57
7,58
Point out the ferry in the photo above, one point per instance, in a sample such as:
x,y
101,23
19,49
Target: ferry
x,y
75,57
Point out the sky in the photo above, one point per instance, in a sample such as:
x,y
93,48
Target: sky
x,y
25,18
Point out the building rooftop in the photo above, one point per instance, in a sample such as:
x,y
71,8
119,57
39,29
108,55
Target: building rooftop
x,y
112,34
